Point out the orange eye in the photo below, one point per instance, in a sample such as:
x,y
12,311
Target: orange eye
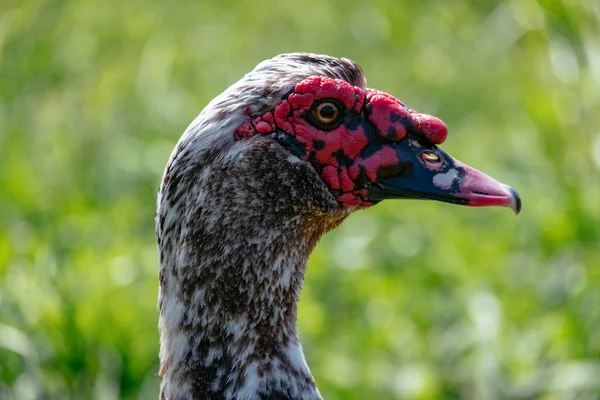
x,y
327,113
431,157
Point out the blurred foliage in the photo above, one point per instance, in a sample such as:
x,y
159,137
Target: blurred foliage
x,y
405,300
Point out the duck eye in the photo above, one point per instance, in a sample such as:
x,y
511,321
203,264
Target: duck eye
x,y
327,114
430,157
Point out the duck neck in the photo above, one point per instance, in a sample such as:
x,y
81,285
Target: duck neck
x,y
230,278
229,323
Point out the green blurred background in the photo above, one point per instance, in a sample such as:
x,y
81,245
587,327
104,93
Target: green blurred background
x,y
405,300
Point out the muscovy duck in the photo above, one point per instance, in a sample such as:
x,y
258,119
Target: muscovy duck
x,y
268,167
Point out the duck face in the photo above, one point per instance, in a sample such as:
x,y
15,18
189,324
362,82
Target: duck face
x,y
367,146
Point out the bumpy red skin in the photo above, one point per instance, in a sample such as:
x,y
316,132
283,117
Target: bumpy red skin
x,y
337,153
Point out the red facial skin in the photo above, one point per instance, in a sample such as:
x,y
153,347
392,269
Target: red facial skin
x,y
339,154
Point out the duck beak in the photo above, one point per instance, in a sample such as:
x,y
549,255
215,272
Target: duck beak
x,y
430,173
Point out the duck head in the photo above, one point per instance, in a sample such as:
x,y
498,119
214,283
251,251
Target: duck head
x,y
368,146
